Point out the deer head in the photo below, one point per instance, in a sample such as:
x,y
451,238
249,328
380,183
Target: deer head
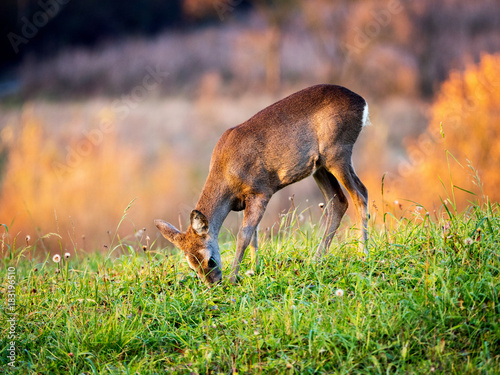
x,y
200,248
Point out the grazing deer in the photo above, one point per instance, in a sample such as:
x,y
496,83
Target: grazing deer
x,y
311,132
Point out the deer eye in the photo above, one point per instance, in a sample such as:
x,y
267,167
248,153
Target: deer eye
x,y
212,263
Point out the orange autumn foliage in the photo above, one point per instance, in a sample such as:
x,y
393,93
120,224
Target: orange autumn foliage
x,y
460,148
41,192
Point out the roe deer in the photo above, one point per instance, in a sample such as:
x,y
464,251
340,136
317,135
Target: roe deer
x,y
310,132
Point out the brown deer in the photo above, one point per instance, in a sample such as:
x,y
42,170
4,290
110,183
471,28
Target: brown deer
x,y
311,132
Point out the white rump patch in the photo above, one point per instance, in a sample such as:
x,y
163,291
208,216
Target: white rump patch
x,y
366,119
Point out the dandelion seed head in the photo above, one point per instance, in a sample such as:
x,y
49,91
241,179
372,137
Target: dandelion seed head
x,y
339,293
469,241
56,258
67,255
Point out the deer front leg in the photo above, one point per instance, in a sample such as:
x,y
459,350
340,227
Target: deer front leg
x,y
255,206
254,248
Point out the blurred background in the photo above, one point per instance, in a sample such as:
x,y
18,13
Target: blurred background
x,y
105,102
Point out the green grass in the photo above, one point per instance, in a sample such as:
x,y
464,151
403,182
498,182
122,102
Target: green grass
x,y
426,300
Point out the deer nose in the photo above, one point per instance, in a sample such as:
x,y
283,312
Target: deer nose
x,y
214,275
212,263
213,279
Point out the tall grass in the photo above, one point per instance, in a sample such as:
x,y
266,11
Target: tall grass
x,y
425,300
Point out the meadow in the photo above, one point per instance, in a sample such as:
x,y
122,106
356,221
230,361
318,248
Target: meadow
x,y
426,300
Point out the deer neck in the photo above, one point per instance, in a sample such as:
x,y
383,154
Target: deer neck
x,y
215,204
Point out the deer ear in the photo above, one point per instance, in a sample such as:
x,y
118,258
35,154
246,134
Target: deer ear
x,y
199,222
170,232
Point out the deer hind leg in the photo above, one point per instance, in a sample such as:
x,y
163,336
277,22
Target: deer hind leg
x,y
336,206
359,194
255,206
